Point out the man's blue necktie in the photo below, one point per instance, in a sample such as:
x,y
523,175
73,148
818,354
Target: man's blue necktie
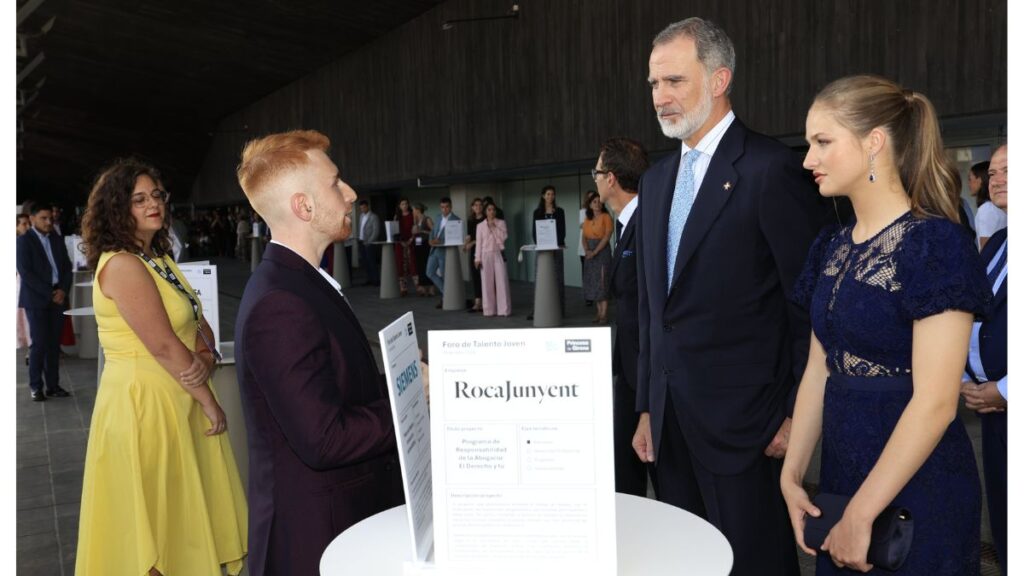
x,y
682,202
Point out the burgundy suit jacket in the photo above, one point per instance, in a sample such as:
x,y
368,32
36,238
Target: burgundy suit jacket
x,y
321,440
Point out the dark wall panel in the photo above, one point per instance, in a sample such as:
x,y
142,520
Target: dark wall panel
x,y
548,87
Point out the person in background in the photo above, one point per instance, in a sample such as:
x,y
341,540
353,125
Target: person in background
x,y
597,233
58,219
620,164
977,183
582,244
23,334
321,438
490,245
490,200
369,232
891,298
45,270
23,224
422,227
243,229
986,388
989,218
476,216
977,177
161,494
548,209
405,257
437,256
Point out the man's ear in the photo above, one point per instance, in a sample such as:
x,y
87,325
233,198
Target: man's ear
x,y
613,180
302,206
720,81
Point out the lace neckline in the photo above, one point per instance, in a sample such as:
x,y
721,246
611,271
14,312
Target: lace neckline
x,y
899,219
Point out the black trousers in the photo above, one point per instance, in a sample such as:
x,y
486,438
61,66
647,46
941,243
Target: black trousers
x,y
993,453
45,326
747,507
630,472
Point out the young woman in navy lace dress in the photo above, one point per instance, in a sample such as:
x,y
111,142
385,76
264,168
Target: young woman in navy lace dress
x,y
892,298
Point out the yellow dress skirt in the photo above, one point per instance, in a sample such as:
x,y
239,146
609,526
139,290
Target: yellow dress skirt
x,y
157,491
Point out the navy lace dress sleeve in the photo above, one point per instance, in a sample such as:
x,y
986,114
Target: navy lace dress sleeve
x,y
948,273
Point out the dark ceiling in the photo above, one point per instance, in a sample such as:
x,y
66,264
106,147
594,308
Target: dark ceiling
x,y
153,77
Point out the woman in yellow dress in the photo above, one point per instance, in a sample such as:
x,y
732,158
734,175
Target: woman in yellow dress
x,y
161,493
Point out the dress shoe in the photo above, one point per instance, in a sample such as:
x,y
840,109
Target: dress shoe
x,y
58,393
529,316
38,396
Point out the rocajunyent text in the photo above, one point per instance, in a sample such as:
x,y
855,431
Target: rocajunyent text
x,y
508,391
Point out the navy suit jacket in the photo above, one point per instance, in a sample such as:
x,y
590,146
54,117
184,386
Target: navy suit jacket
x,y
321,440
624,290
992,341
36,273
725,340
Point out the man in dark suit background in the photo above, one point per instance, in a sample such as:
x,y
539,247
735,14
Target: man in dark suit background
x,y
723,229
321,441
987,388
620,165
45,271
369,232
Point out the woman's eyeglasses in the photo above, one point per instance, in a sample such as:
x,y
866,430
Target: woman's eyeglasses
x,y
159,196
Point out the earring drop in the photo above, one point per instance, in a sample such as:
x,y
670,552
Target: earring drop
x,y
871,168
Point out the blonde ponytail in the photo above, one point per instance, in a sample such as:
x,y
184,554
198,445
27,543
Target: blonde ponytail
x,y
927,172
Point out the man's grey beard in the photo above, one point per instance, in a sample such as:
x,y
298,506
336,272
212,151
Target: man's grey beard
x,y
691,120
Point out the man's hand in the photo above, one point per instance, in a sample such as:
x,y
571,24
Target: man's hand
x,y
643,443
777,448
983,398
59,296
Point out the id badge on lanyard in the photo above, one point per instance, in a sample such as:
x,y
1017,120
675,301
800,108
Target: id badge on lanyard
x,y
167,274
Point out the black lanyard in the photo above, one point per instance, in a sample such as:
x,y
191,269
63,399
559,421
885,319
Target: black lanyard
x,y
167,274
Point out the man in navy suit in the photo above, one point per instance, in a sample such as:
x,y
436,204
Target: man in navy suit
x,y
321,441
620,165
987,389
45,271
724,227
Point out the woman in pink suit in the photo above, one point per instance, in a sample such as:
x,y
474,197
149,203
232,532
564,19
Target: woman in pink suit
x,y
490,244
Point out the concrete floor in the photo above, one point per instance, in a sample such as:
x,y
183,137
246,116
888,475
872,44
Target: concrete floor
x,y
52,435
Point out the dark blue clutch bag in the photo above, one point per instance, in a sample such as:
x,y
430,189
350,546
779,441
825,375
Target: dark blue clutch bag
x,y
891,534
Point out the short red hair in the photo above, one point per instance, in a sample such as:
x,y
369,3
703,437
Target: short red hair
x,y
265,159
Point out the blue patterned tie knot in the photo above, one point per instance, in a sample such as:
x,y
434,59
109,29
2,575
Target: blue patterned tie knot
x,y
682,202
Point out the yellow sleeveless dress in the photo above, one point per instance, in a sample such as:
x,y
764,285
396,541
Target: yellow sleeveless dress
x,y
157,491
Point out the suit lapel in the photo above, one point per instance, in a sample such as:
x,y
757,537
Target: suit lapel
x,y
718,185
41,250
625,242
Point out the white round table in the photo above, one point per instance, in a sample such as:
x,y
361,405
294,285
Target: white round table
x,y
654,539
89,342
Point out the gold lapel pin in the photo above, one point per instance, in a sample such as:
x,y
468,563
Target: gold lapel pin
x,y
727,186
